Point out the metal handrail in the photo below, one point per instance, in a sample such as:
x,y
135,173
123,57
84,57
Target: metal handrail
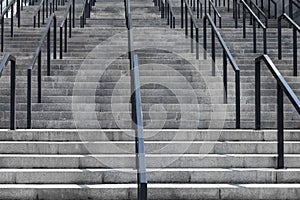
x,y
38,13
9,58
70,8
282,87
255,19
216,12
5,12
260,12
226,55
193,24
291,4
296,28
38,57
167,9
136,114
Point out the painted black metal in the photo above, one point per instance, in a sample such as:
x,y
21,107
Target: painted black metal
x,y
167,11
85,13
216,13
282,87
9,58
37,56
255,19
259,13
45,14
296,28
228,55
10,6
64,25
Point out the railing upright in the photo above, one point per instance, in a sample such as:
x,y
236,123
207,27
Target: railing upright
x,y
9,58
167,11
38,57
10,7
86,12
282,87
255,20
260,12
226,55
216,12
296,28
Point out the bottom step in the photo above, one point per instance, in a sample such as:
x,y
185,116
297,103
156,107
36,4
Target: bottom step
x,y
155,191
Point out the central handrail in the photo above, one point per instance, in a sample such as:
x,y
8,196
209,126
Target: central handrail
x,y
9,58
70,8
226,55
216,12
296,28
255,19
282,87
10,6
136,111
38,57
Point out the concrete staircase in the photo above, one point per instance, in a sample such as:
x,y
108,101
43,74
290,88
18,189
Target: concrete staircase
x,y
82,146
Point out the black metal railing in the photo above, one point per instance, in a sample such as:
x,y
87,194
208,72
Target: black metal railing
x,y
86,11
282,87
296,28
292,4
43,7
255,20
197,6
136,111
10,6
9,58
38,57
226,55
216,12
64,25
193,25
269,8
167,10
259,13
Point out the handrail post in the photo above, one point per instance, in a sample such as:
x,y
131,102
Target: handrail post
x,y
244,21
280,126
198,9
60,42
70,22
225,77
204,38
13,95
29,74
186,19
182,14
66,36
47,9
73,13
213,54
2,34
279,39
40,77
12,21
34,21
39,19
54,37
19,13
48,53
257,95
197,43
265,40
295,51
254,36
238,99
43,12
269,9
192,35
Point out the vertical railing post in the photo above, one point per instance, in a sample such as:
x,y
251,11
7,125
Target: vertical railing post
x,y
295,50
48,53
39,19
204,38
280,126
47,9
19,13
254,36
54,37
12,21
182,13
265,40
186,19
244,22
238,99
70,22
225,77
192,35
257,95
279,39
29,73
66,36
213,50
197,43
13,95
43,12
73,4
60,42
198,12
2,34
39,77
